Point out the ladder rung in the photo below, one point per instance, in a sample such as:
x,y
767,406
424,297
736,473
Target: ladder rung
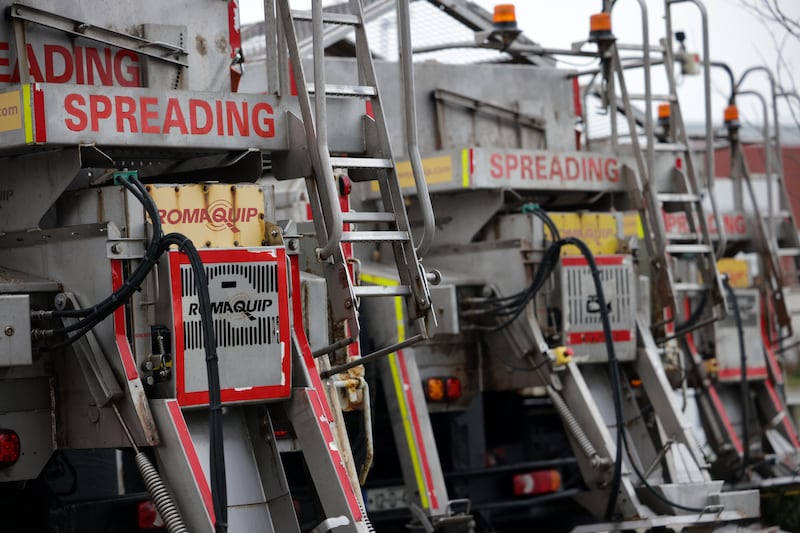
x,y
681,237
778,215
328,18
346,90
662,97
355,216
669,147
374,236
688,248
361,162
788,252
670,197
378,290
685,287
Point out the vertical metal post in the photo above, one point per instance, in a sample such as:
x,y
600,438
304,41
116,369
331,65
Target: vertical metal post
x,y
271,41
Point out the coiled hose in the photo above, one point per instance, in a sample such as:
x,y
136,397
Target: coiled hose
x,y
158,492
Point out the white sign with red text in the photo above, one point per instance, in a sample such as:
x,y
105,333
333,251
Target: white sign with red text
x,y
72,114
536,169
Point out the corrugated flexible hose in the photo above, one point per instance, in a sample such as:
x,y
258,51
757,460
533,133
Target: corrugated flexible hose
x,y
161,498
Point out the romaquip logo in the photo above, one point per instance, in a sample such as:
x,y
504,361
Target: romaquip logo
x,y
220,215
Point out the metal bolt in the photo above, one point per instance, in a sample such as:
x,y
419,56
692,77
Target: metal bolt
x,y
274,233
116,248
9,331
348,303
292,244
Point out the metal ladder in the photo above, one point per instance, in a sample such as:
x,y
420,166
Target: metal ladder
x,y
678,194
772,242
374,164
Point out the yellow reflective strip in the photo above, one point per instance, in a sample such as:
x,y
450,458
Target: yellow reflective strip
x,y
465,168
400,390
27,113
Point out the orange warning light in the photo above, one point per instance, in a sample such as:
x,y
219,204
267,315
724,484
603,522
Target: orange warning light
x,y
731,114
504,14
600,29
600,22
664,111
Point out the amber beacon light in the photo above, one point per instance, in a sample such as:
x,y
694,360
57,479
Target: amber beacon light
x,y
504,17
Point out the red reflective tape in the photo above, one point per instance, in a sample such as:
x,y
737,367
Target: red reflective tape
x,y
412,412
600,260
190,452
596,337
40,118
780,407
723,414
300,334
120,337
317,405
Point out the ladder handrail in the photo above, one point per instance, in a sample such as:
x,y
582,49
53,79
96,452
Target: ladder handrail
x,y
318,150
722,238
648,90
769,234
771,165
410,120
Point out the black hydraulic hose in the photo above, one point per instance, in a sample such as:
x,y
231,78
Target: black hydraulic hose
x,y
694,318
743,388
219,491
91,316
613,368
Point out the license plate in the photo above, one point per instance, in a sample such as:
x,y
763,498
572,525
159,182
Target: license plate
x,y
387,499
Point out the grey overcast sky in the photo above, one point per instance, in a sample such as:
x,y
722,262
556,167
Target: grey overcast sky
x,y
737,37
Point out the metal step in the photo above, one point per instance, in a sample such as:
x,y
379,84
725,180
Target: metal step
x,y
654,97
361,162
778,215
688,287
345,19
688,249
374,236
380,290
669,147
669,197
366,217
355,91
682,237
788,252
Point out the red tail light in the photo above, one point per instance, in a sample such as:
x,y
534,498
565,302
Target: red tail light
x,y
9,447
148,517
453,388
537,482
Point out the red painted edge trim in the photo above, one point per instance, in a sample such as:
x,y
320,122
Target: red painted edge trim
x,y
40,117
775,370
736,373
300,334
602,260
185,438
336,458
120,338
712,393
234,29
787,424
597,337
426,469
